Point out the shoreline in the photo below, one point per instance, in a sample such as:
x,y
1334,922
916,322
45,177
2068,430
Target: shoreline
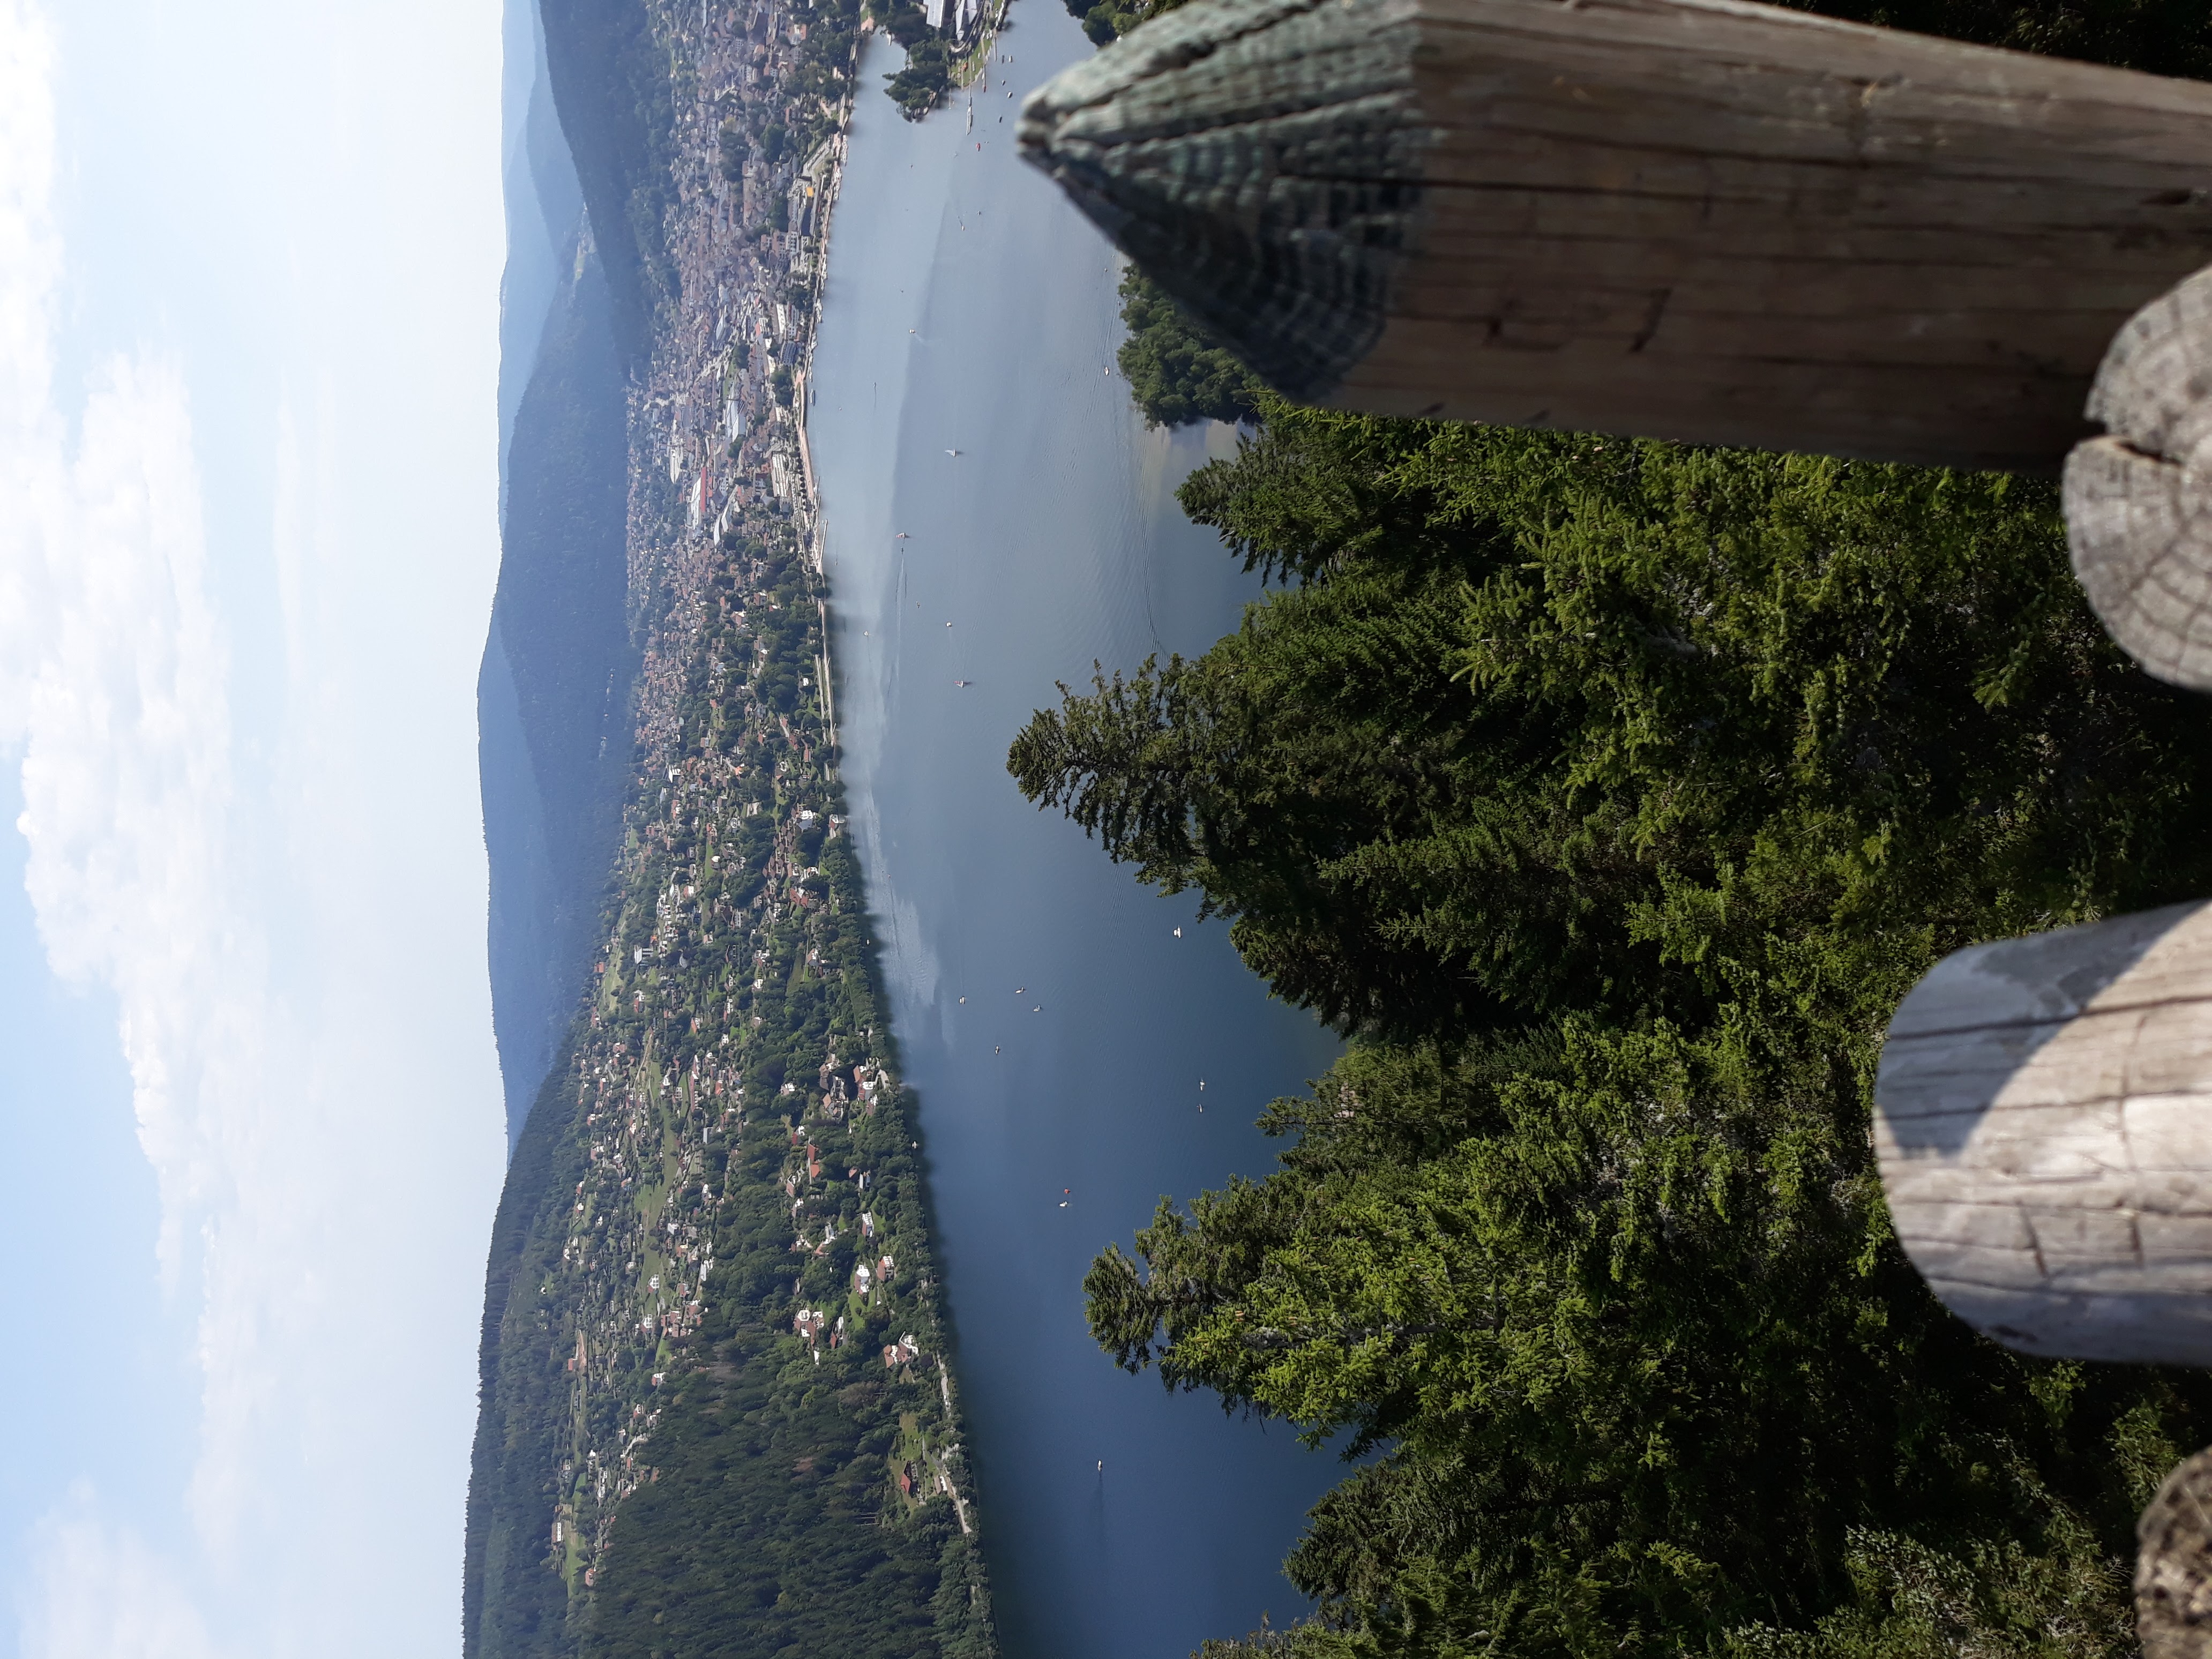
x,y
702,1074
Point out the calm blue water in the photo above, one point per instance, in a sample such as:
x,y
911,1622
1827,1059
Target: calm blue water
x,y
971,309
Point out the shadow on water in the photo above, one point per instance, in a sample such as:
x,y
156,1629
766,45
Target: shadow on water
x,y
1056,1027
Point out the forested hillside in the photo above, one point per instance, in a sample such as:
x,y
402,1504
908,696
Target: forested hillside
x,y
717,1411
716,1417
1609,794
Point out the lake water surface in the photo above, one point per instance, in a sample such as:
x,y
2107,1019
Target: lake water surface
x,y
971,309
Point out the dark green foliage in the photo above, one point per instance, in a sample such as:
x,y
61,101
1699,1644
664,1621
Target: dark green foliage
x,y
780,387
1612,793
960,1610
761,1513
1109,19
1177,372
926,78
732,149
902,20
1571,722
826,61
1624,1309
772,1524
927,73
1105,21
507,1609
1908,1601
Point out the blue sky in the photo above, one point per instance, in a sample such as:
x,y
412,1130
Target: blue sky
x,y
250,255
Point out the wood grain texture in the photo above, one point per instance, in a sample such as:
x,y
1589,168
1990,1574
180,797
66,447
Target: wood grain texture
x,y
2044,1134
2173,1565
2139,501
1695,219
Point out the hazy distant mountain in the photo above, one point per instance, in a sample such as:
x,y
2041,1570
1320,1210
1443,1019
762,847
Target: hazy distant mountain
x,y
553,698
610,83
545,203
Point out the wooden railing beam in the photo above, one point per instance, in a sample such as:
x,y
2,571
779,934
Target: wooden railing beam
x,y
1694,219
2045,1137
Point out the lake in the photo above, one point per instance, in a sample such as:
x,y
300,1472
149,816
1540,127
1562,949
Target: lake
x,y
961,396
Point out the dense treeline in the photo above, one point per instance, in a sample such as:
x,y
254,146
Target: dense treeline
x,y
1177,372
931,57
1562,722
773,1523
1610,794
716,1416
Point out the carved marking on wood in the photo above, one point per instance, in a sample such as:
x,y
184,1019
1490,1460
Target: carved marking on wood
x,y
2044,1134
1695,219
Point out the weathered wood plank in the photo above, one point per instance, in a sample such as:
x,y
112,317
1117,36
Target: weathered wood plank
x,y
1696,219
2044,1134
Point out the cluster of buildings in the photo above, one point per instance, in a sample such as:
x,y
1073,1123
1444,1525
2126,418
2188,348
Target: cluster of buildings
x,y
729,388
722,491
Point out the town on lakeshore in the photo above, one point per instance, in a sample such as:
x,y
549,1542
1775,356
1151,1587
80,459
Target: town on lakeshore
x,y
713,1241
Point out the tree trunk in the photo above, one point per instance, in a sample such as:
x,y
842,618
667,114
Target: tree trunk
x,y
2044,1134
1692,219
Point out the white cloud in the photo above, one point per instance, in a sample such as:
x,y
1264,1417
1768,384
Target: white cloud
x,y
113,694
235,670
96,1591
30,268
113,675
125,742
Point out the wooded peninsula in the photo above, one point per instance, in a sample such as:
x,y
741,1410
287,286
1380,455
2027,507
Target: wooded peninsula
x,y
717,1411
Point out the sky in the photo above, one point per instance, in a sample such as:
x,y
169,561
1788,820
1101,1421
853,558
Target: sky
x,y
250,255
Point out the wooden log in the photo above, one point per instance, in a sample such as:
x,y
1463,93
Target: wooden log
x,y
2044,1135
2173,1565
1694,219
2137,500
